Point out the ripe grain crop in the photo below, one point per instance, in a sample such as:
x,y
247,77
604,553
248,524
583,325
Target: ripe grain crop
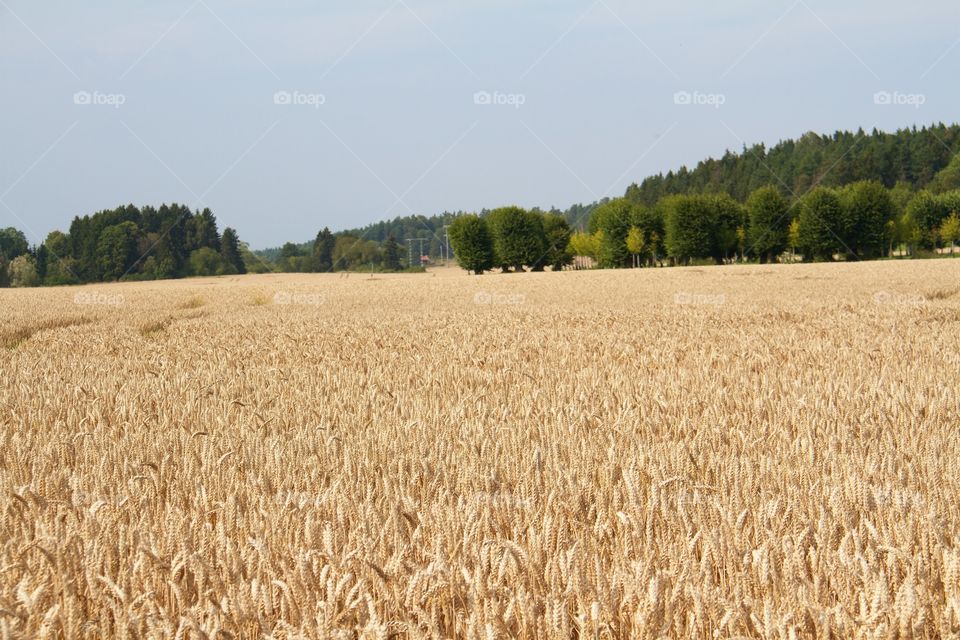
x,y
743,451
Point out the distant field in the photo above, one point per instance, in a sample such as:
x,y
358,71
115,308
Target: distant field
x,y
753,451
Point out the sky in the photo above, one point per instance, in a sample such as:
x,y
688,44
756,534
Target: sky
x,y
285,117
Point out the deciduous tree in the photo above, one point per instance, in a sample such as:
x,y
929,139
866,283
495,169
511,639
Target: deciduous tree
x,y
23,272
472,243
635,244
557,232
769,223
819,210
518,237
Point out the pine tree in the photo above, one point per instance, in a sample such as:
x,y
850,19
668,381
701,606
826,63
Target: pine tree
x,y
323,251
42,258
117,250
391,254
230,250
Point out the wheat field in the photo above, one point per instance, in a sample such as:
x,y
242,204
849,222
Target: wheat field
x,y
742,451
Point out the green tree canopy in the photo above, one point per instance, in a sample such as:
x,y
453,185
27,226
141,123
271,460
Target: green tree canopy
x,y
866,207
230,251
117,250
207,262
614,219
13,243
691,227
201,231
352,252
769,222
23,272
557,232
727,217
472,243
585,244
948,178
391,255
164,238
818,211
927,212
518,237
636,244
291,250
323,251
914,156
949,230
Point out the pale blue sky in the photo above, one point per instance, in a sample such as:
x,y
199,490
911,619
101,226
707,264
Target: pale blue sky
x,y
399,130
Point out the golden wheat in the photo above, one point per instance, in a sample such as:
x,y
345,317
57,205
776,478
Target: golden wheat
x,y
755,451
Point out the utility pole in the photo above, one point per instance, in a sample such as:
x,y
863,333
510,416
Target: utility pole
x,y
410,252
446,245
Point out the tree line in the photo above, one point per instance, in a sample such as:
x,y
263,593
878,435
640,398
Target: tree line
x,y
904,162
515,239
389,245
862,220
338,252
865,196
423,231
126,243
922,158
512,239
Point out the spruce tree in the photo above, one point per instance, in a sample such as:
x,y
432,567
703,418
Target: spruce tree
x,y
323,251
230,250
391,254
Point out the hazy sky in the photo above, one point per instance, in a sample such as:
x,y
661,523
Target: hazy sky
x,y
284,117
